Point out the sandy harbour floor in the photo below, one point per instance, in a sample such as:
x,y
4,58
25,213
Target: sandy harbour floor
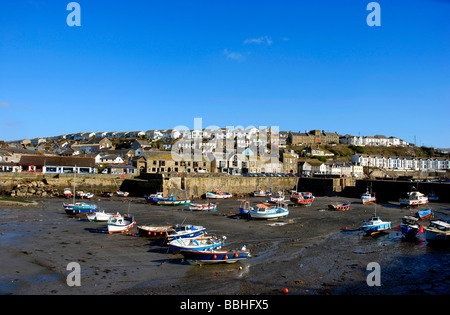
x,y
309,253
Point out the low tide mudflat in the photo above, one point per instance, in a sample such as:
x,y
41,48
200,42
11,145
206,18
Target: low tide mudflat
x,y
310,254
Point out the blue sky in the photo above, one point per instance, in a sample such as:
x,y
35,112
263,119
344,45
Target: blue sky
x,y
299,65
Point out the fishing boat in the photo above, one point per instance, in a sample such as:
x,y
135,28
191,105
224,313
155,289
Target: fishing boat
x,y
179,202
67,193
261,193
438,232
375,225
413,198
155,231
79,208
215,256
279,197
196,244
217,194
269,212
368,197
203,206
410,227
84,194
302,198
433,197
244,208
122,193
339,206
120,223
186,231
154,198
424,213
99,216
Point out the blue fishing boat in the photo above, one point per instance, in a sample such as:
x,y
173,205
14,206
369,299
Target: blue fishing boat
x,y
186,231
154,198
410,227
201,243
424,213
215,256
375,225
79,208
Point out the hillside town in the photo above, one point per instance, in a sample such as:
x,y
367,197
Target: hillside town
x,y
247,152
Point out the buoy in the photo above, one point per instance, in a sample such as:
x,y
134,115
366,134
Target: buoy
x,y
345,228
236,255
215,256
226,257
285,291
398,227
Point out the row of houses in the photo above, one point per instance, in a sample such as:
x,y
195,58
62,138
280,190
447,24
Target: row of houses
x,y
259,136
401,163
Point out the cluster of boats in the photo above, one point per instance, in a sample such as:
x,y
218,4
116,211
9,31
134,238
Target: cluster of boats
x,y
410,227
194,244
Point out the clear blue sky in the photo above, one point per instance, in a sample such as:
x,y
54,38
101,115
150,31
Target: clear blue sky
x,y
299,65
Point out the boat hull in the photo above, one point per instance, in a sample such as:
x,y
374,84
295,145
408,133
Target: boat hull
x,y
180,202
302,202
202,207
99,216
74,209
187,233
154,231
339,207
212,195
259,215
215,257
113,228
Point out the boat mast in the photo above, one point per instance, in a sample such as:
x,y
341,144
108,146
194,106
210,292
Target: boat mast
x,y
74,178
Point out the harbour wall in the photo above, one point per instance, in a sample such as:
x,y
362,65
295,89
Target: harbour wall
x,y
197,186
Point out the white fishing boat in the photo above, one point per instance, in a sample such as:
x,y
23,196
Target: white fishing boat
x,y
120,223
413,198
85,194
279,197
269,212
438,232
100,216
368,197
67,193
262,193
122,193
217,194
203,206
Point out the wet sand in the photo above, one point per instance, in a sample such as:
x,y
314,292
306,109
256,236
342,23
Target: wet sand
x,y
310,255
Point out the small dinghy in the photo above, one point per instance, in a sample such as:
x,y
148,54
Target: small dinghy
x,y
424,213
339,206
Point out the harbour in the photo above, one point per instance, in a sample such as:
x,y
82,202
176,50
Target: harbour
x,y
314,251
